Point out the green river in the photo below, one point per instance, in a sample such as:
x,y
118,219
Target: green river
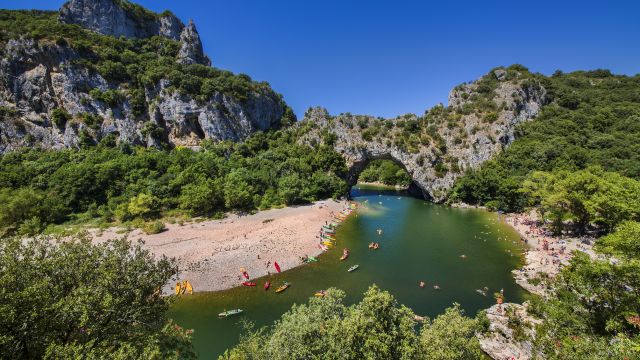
x,y
420,241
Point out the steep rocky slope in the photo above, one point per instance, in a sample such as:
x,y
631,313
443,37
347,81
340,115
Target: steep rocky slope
x,y
111,69
438,147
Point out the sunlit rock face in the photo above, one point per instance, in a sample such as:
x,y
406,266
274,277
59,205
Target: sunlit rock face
x,y
441,147
40,78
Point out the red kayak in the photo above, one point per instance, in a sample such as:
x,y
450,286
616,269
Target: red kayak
x,y
249,283
245,274
267,285
275,263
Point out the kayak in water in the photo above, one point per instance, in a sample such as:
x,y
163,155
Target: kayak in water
x,y
282,288
353,268
230,313
267,285
249,283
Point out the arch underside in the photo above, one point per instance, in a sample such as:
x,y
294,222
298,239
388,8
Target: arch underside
x,y
359,165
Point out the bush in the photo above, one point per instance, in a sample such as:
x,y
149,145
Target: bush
x,y
154,227
59,117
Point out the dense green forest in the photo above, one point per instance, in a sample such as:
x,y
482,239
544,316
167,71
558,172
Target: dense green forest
x,y
386,172
132,184
592,119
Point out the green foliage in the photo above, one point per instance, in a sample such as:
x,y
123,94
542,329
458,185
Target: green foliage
x,y
113,98
60,117
592,119
625,241
130,183
386,172
375,328
203,197
585,197
451,336
591,313
72,299
154,227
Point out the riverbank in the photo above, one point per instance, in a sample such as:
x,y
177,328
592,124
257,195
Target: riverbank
x,y
545,257
547,254
211,253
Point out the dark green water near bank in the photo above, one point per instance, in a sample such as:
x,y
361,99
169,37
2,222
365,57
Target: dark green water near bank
x,y
420,241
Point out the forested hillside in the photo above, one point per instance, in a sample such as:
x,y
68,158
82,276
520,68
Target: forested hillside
x,y
583,150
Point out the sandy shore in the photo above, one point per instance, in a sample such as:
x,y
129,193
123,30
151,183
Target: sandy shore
x,y
547,254
210,253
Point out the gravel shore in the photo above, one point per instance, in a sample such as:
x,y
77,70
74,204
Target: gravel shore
x,y
211,253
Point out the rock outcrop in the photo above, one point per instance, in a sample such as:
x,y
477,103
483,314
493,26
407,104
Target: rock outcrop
x,y
191,47
511,332
47,90
122,18
438,152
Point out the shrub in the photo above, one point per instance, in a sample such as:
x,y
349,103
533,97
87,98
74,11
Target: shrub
x,y
154,227
59,117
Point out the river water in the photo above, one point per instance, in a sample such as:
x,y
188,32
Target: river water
x,y
420,241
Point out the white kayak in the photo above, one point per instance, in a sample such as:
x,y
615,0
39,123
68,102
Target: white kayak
x,y
230,313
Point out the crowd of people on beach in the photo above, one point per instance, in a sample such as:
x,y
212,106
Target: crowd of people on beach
x,y
548,252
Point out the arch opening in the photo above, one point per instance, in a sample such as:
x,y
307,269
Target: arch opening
x,y
384,170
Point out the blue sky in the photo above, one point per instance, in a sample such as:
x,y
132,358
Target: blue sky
x,y
387,58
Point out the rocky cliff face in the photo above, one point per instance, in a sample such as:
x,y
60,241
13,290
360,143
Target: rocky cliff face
x,y
46,90
435,149
122,18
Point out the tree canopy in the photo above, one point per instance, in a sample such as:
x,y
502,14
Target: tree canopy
x,y
375,328
124,183
72,299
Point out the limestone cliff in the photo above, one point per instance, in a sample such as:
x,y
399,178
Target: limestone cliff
x,y
438,147
52,93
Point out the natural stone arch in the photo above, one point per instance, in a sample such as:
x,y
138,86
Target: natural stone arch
x,y
457,140
358,167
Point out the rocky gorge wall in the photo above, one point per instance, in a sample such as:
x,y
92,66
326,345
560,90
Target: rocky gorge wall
x,y
39,77
439,147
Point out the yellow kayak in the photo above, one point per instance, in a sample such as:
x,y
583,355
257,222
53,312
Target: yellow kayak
x,y
183,287
178,288
328,243
189,288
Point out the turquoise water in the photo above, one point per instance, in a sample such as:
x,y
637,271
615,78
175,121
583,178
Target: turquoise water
x,y
421,241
